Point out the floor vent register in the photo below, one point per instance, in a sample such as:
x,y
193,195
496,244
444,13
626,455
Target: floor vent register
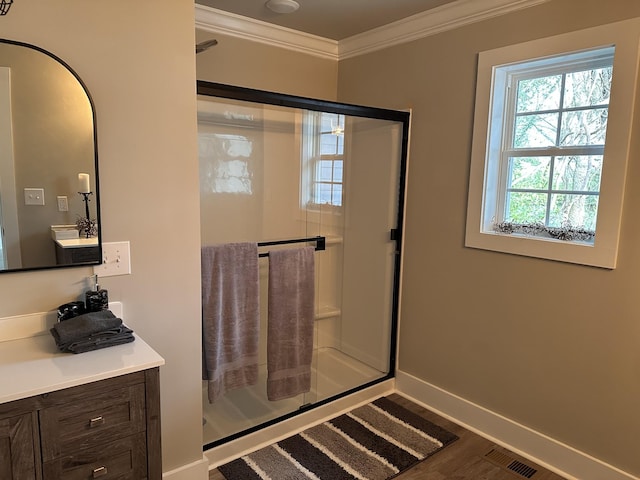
x,y
511,464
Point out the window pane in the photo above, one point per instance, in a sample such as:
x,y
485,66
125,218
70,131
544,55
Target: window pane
x,y
325,170
588,88
578,173
526,207
323,193
328,144
529,172
533,131
337,171
336,197
584,127
327,120
577,211
538,94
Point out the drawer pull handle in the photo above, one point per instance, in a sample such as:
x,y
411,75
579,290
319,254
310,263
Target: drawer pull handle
x,y
96,421
99,472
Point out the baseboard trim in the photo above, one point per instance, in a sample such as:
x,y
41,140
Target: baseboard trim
x,y
539,448
198,470
253,441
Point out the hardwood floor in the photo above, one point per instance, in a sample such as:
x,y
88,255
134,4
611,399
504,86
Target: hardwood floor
x,y
462,460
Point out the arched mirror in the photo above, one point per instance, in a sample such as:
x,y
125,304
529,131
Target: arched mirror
x,y
49,204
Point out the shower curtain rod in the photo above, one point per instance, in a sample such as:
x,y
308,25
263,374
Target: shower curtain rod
x,y
320,243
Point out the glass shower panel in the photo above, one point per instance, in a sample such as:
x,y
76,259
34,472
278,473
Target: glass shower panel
x,y
272,172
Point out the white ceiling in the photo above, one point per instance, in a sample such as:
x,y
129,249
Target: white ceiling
x,y
332,19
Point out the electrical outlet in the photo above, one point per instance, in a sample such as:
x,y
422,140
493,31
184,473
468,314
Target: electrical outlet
x,y
116,260
63,203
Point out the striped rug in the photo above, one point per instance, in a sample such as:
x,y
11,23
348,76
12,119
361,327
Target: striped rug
x,y
374,442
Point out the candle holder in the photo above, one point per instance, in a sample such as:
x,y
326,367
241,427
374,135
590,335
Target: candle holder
x,y
86,224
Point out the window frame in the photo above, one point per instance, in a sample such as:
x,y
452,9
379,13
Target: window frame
x,y
507,79
486,154
313,156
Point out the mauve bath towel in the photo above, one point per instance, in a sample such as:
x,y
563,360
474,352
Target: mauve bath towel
x,y
230,317
290,327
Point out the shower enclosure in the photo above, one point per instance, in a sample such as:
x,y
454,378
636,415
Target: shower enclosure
x,y
282,168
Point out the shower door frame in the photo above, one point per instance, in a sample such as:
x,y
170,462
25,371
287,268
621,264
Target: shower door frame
x,y
232,92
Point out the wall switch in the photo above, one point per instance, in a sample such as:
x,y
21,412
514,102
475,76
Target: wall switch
x,y
34,196
116,260
63,203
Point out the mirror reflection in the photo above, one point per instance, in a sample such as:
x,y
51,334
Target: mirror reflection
x,y
49,205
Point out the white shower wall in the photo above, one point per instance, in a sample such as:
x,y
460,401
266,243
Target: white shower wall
x,y
269,206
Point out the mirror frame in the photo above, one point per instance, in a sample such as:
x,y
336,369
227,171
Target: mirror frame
x,y
96,196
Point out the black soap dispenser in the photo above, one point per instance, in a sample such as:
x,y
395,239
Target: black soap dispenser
x,y
97,299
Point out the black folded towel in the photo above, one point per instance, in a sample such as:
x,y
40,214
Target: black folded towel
x,y
91,331
104,339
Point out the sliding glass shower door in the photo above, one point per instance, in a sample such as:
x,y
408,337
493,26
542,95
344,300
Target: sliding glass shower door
x,y
283,169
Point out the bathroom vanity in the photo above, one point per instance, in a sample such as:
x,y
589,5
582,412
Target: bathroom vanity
x,y
92,415
77,250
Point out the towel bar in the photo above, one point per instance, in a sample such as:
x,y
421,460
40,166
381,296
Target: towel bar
x,y
320,243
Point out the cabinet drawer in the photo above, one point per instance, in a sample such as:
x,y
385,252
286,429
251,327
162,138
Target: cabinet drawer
x,y
95,419
123,459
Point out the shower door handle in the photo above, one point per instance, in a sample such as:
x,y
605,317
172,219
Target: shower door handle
x,y
396,236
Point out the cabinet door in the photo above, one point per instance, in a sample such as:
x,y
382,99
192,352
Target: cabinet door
x,y
17,453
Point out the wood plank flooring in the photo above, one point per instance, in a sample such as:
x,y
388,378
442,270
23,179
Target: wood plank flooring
x,y
462,460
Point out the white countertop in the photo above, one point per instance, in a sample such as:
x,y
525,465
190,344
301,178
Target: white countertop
x,y
34,365
78,242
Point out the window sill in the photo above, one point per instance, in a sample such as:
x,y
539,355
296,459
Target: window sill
x,y
582,253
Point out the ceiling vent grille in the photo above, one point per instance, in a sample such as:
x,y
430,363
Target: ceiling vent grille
x,y
511,464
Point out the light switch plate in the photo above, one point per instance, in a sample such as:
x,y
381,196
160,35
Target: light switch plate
x,y
116,260
34,196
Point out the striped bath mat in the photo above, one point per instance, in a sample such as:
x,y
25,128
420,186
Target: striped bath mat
x,y
374,442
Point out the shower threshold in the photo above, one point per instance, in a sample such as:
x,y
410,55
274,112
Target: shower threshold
x,y
245,408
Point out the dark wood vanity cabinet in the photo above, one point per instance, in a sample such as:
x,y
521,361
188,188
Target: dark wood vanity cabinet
x,y
70,256
106,429
18,445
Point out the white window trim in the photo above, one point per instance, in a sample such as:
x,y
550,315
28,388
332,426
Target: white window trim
x,y
311,132
625,36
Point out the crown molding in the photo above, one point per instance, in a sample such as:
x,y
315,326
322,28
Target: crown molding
x,y
219,21
434,21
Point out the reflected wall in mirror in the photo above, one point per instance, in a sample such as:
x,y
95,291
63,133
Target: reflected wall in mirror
x,y
47,139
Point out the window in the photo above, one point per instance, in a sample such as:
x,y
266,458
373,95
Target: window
x,y
324,146
550,145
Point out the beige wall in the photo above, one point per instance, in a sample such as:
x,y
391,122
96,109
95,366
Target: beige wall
x,y
137,61
553,346
235,61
